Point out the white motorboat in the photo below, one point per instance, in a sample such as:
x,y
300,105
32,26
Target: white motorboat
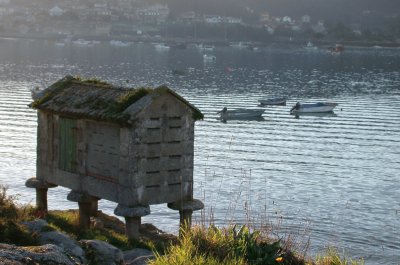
x,y
205,47
209,58
280,101
240,113
83,43
318,107
161,47
239,45
119,43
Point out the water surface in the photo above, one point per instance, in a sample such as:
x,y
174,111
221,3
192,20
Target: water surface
x,y
333,178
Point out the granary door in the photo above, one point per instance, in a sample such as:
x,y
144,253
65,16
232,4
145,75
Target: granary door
x,y
67,139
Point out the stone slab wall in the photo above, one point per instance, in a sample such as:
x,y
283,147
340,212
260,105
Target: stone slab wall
x,y
149,163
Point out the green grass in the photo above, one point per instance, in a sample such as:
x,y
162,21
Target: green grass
x,y
332,257
67,222
233,245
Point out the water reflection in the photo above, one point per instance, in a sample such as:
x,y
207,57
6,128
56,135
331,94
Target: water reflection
x,y
315,114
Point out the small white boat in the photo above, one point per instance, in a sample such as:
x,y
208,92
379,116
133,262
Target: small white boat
x,y
209,58
83,43
60,44
310,46
205,47
239,45
240,113
318,107
280,101
119,43
161,47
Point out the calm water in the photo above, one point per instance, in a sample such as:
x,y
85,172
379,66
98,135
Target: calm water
x,y
334,178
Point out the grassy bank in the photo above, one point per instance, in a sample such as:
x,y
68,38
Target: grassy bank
x,y
201,245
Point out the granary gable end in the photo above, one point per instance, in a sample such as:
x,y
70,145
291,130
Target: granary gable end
x,y
131,146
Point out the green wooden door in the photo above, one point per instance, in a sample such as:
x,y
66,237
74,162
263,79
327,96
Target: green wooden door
x,y
67,138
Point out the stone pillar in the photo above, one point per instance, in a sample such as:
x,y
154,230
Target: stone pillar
x,y
41,187
85,203
185,219
94,206
186,209
133,217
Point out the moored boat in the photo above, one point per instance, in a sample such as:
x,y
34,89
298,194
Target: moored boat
x,y
337,49
83,43
161,47
209,58
318,107
205,47
310,46
281,101
119,43
240,113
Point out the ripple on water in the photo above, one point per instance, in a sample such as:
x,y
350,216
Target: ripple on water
x,y
336,175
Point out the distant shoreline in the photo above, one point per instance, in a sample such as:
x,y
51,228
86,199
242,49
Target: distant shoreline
x,y
282,42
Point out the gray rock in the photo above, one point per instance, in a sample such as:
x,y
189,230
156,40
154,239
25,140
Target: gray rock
x,y
138,256
69,245
43,255
101,253
35,226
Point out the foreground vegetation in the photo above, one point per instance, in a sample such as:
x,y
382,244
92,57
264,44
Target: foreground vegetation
x,y
200,245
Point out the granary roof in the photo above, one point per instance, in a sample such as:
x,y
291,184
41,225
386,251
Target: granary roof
x,y
94,99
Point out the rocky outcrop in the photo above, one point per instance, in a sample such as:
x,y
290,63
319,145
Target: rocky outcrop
x,y
35,255
102,253
138,256
58,248
70,246
47,235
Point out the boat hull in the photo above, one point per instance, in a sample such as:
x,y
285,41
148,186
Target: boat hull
x,y
241,114
273,101
313,108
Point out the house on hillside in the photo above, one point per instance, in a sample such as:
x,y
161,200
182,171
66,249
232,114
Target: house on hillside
x,y
155,14
56,11
306,19
134,147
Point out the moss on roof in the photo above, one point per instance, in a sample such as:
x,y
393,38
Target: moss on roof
x,y
96,99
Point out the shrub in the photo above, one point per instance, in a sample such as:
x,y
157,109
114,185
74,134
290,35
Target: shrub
x,y
225,246
11,215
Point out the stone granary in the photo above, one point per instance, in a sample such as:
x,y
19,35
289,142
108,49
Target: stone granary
x,y
130,146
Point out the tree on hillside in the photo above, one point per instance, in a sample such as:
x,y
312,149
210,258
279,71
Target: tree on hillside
x,y
341,31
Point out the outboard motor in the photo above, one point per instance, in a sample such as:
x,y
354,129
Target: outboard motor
x,y
295,107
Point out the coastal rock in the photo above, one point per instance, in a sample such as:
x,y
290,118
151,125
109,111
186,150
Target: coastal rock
x,y
101,253
33,255
35,226
138,256
69,245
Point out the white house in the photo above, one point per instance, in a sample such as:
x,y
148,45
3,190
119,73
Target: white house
x,y
232,20
287,19
6,11
153,14
56,12
265,17
211,19
306,19
270,30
